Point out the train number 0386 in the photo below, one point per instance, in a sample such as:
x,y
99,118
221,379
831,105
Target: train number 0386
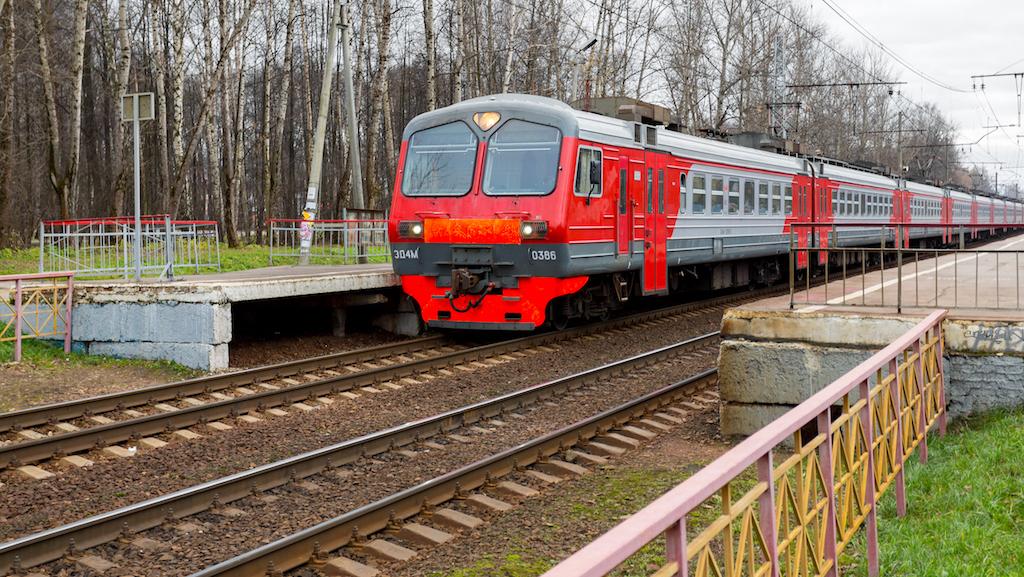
x,y
543,255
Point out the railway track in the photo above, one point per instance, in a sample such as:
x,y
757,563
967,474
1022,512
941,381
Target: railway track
x,y
43,433
125,522
390,516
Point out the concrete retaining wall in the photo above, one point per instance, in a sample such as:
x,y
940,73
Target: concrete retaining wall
x,y
770,361
190,321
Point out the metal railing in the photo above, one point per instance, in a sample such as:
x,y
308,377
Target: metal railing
x,y
850,255
103,247
795,517
333,241
36,306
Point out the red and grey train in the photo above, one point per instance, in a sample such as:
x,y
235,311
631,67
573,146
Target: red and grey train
x,y
512,210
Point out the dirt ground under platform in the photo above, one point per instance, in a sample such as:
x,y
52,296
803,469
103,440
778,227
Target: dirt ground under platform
x,y
541,531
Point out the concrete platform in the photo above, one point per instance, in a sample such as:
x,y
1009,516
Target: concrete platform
x,y
189,320
773,357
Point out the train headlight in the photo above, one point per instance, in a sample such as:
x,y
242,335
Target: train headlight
x,y
534,229
410,229
486,120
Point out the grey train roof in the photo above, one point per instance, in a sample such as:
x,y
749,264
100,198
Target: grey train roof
x,y
615,131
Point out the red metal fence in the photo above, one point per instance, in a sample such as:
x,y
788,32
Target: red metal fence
x,y
36,306
796,517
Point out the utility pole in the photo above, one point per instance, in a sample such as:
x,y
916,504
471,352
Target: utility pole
x,y
576,70
899,143
339,19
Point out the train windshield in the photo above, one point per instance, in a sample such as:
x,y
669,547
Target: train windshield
x,y
522,159
440,161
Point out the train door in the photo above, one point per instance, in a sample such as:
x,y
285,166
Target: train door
x,y
655,273
624,208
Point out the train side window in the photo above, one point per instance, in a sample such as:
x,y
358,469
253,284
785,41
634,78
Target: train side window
x,y
734,196
762,198
588,183
717,194
776,198
700,193
748,197
863,203
682,192
835,203
787,201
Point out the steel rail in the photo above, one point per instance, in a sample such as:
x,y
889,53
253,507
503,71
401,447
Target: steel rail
x,y
36,450
63,411
53,543
304,546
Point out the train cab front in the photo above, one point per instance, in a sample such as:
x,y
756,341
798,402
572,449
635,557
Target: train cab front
x,y
478,274
477,215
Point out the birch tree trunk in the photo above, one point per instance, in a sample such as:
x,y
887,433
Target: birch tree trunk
x,y
160,68
428,37
7,124
377,100
506,78
308,93
282,106
63,175
177,22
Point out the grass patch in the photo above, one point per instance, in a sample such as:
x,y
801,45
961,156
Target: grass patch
x,y
19,261
965,508
44,354
511,565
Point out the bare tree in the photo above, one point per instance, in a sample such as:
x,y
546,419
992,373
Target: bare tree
x,y
428,40
63,173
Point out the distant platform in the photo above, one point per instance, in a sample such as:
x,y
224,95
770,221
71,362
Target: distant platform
x,y
773,357
189,320
966,284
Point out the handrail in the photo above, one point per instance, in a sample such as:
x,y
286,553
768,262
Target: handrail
x,y
37,310
668,513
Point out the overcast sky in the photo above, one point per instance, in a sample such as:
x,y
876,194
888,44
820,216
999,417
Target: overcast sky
x,y
951,40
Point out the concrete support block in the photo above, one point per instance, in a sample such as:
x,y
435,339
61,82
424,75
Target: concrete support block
x,y
196,355
167,321
780,373
338,317
850,330
403,320
745,419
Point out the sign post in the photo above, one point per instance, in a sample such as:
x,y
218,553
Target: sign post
x,y
134,108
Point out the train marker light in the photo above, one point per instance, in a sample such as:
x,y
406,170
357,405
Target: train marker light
x,y
410,229
534,229
486,120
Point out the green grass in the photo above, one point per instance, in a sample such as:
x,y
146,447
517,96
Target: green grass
x,y
45,354
15,261
511,565
965,507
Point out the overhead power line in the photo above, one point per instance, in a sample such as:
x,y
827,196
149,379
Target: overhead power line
x,y
844,84
860,29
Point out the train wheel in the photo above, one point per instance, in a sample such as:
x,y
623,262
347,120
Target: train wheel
x,y
558,317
